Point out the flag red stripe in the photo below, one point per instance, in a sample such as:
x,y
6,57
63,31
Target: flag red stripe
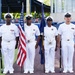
x,y
24,59
22,46
23,42
20,59
22,33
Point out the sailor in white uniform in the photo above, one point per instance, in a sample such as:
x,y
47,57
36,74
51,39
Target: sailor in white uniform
x,y
66,32
31,31
50,36
8,41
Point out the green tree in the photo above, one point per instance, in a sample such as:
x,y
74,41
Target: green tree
x,y
47,2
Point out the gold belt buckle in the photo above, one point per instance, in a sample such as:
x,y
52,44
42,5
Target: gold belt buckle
x,y
28,41
8,41
50,42
68,39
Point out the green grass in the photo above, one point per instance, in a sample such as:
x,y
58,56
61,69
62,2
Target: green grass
x,y
15,55
14,59
1,74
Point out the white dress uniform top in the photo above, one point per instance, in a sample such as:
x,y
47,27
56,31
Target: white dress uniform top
x,y
67,33
8,34
30,32
49,45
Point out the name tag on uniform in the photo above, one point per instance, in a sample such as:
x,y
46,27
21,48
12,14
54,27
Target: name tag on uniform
x,y
11,30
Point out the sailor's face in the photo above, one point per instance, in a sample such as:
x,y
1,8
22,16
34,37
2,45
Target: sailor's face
x,y
67,19
8,19
29,20
49,22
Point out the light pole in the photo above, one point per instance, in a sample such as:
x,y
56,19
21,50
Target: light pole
x,y
28,5
51,3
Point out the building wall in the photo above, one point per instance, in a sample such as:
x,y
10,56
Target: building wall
x,y
61,7
59,17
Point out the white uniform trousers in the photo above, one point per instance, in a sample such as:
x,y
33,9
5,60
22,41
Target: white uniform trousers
x,y
29,62
49,57
8,49
67,54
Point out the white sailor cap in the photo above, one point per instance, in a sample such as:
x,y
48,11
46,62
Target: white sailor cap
x,y
67,14
8,15
28,16
49,18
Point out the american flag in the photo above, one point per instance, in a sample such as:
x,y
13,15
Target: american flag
x,y
22,43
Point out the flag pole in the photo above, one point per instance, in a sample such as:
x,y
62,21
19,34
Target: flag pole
x,y
42,37
60,59
43,49
21,56
22,4
1,66
22,66
43,52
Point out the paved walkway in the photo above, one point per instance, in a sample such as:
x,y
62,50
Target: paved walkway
x,y
39,69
